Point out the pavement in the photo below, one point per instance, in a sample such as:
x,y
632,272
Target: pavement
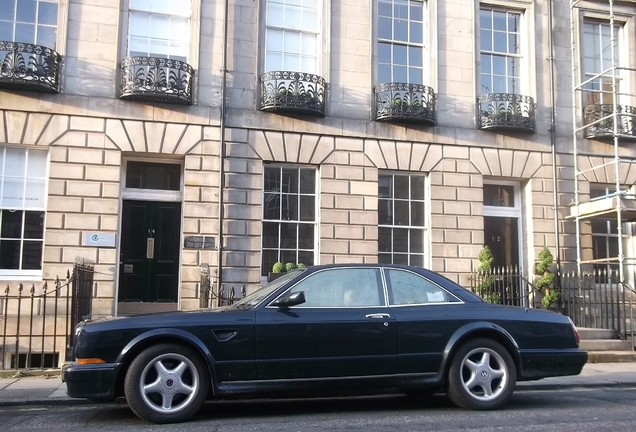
x,y
48,389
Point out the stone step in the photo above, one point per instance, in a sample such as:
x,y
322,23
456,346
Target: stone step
x,y
611,356
606,345
594,333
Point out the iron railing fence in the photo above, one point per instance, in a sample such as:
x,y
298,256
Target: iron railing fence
x,y
599,300
38,322
503,285
592,300
209,296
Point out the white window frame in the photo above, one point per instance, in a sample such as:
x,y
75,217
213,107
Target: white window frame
x,y
192,56
527,49
320,34
30,274
59,26
424,66
316,195
426,228
621,54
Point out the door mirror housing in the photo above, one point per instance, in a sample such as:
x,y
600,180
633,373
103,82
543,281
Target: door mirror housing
x,y
290,299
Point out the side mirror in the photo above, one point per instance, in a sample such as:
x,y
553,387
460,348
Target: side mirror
x,y
290,299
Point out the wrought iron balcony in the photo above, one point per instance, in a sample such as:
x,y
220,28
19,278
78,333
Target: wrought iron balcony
x,y
405,103
154,79
506,112
293,93
600,117
29,67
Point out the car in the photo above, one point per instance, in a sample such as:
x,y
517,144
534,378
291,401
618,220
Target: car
x,y
335,329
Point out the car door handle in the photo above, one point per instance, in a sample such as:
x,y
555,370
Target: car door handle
x,y
378,316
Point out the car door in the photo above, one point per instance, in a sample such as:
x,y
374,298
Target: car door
x,y
344,328
426,317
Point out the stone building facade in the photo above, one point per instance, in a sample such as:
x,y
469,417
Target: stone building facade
x,y
475,179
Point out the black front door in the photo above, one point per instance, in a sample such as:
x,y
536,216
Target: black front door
x,y
149,252
501,235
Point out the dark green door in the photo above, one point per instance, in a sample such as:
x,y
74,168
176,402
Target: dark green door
x,y
149,252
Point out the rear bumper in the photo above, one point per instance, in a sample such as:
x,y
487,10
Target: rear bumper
x,y
91,381
543,364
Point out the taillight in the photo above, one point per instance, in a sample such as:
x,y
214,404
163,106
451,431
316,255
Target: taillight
x,y
576,332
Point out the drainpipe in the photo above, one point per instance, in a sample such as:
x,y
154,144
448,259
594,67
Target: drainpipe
x,y
553,142
219,267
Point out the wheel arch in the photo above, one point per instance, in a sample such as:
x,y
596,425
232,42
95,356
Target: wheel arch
x,y
157,336
476,330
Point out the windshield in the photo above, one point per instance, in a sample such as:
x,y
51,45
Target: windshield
x,y
257,296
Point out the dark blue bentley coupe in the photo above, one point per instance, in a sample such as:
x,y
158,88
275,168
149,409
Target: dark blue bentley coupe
x,y
349,328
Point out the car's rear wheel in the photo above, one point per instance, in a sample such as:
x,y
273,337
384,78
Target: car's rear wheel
x,y
166,383
482,375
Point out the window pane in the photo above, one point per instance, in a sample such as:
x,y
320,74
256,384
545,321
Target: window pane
x,y
11,224
270,235
288,235
401,186
384,240
12,193
25,33
7,11
47,13
272,179
34,225
26,11
400,74
417,240
10,254
34,195
32,255
306,236
290,207
384,212
417,213
307,208
385,30
289,181
401,213
307,181
415,56
46,36
271,206
147,175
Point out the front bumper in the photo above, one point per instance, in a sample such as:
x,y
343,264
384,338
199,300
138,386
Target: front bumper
x,y
98,381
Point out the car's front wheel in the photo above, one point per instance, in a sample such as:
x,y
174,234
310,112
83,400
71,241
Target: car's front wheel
x,y
482,375
166,383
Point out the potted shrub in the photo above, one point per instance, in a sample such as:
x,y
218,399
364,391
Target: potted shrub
x,y
277,270
486,288
545,284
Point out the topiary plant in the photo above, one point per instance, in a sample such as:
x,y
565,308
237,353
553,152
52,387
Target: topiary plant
x,y
290,266
278,267
301,266
545,284
485,287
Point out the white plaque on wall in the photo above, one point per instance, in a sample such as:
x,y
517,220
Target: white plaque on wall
x,y
98,239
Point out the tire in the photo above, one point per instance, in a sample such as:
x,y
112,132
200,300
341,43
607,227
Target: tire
x,y
482,375
167,383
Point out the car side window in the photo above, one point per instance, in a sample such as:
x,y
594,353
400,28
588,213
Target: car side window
x,y
342,287
406,288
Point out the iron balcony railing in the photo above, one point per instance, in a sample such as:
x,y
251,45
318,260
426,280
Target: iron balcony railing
x,y
405,103
293,93
600,118
29,67
155,79
506,112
